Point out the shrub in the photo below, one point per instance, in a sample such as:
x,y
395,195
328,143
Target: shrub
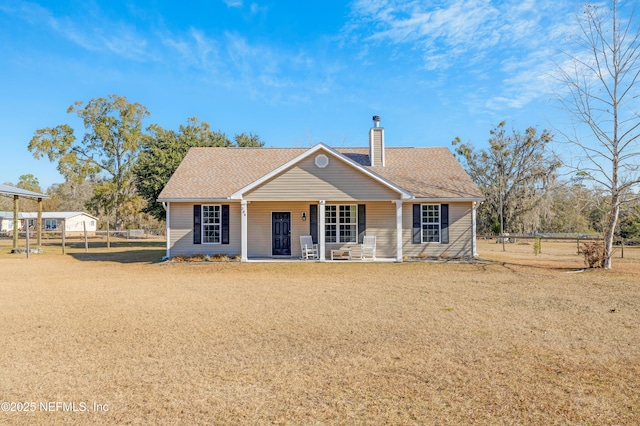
x,y
594,254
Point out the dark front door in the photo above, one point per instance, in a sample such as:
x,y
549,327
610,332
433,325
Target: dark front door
x,y
281,234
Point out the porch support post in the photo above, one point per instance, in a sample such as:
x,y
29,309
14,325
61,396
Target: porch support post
x,y
474,245
321,232
167,233
398,230
243,230
16,222
39,223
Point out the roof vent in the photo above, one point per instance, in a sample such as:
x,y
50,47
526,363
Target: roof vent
x,y
376,121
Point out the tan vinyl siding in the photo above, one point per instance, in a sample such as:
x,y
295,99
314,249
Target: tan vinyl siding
x,y
259,234
338,181
381,222
460,233
181,235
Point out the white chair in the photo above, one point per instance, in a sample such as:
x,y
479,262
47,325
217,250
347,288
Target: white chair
x,y
309,250
369,247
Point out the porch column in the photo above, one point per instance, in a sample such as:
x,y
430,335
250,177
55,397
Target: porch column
x,y
167,232
39,223
243,230
398,230
321,232
474,245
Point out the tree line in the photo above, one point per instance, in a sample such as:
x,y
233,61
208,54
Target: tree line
x,y
525,194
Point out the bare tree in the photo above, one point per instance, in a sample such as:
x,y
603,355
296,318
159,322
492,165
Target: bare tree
x,y
602,97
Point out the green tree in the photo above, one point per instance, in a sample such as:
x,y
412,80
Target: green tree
x,y
513,175
630,221
109,148
250,140
29,182
163,150
601,79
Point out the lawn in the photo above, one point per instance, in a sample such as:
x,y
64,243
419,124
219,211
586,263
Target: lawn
x,y
125,339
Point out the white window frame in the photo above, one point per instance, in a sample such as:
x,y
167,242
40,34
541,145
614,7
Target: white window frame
x,y
51,224
213,224
329,226
426,224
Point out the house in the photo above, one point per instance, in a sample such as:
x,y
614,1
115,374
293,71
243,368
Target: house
x,y
257,202
6,221
74,222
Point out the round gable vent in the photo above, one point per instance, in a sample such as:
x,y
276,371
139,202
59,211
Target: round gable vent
x,y
322,161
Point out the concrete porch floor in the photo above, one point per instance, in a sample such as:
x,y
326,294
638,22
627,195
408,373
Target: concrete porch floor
x,y
297,259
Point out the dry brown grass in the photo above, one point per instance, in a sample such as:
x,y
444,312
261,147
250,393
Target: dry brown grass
x,y
310,343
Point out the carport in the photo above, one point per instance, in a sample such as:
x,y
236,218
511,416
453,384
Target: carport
x,y
7,190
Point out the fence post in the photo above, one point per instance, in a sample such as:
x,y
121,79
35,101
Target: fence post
x,y
86,242
622,254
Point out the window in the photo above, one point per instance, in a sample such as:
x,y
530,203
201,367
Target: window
x,y
50,224
211,224
430,223
341,223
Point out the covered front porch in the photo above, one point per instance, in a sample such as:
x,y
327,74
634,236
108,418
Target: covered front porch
x,y
271,230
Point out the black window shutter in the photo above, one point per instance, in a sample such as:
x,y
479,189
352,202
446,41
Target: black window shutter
x,y
444,223
417,224
197,228
225,223
313,222
362,222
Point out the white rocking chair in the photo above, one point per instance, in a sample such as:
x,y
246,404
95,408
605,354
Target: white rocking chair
x,y
309,250
369,247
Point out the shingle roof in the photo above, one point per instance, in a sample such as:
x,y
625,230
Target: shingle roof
x,y
427,172
216,173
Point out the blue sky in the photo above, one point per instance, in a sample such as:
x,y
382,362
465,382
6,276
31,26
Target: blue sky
x,y
294,72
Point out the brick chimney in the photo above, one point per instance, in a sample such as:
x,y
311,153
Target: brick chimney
x,y
376,143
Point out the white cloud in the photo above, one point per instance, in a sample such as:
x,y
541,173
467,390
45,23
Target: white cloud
x,y
92,32
471,36
233,3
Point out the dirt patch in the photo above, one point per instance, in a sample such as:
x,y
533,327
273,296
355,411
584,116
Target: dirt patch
x,y
515,341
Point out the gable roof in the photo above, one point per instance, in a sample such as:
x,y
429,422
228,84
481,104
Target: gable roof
x,y
319,147
220,173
